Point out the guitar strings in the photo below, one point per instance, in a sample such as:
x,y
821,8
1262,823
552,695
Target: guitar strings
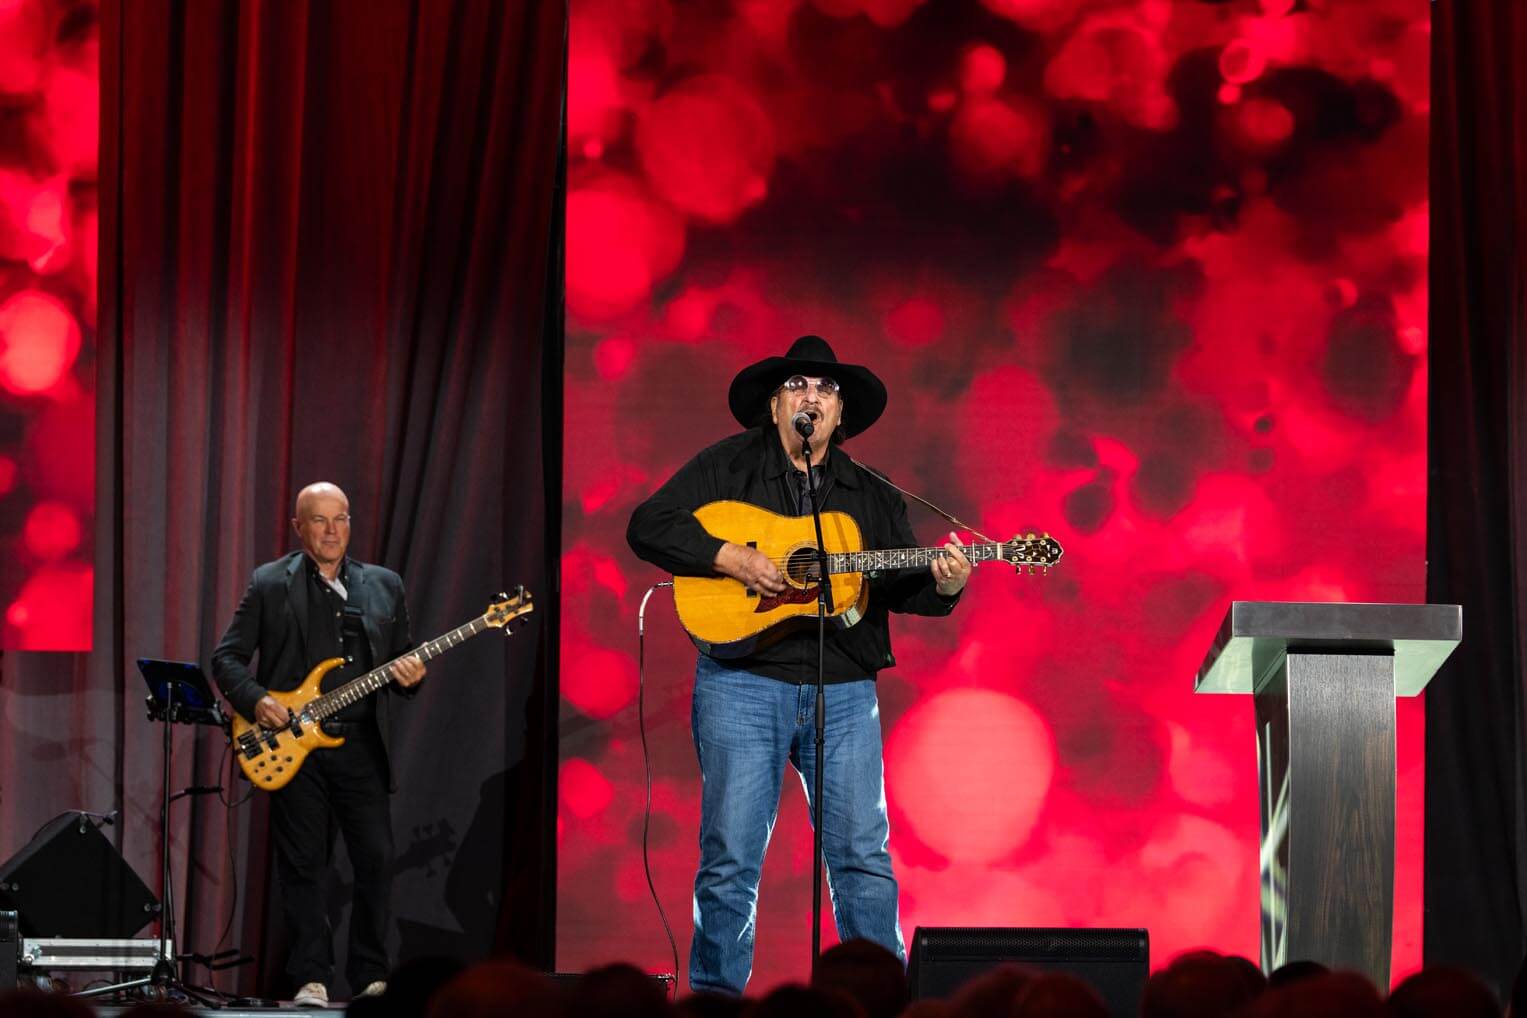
x,y
931,552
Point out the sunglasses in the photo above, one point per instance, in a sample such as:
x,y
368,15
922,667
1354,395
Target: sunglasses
x,y
826,387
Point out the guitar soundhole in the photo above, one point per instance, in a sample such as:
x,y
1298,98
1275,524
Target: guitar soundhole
x,y
802,568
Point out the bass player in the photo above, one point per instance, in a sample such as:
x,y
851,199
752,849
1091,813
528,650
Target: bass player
x,y
751,714
300,610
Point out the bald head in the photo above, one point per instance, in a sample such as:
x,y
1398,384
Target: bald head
x,y
322,523
319,489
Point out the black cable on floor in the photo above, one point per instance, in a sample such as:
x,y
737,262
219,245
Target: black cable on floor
x,y
641,724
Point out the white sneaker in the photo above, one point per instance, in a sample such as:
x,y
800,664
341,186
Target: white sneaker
x,y
375,988
312,995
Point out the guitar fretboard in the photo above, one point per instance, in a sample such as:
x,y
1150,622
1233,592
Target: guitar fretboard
x,y
904,558
335,700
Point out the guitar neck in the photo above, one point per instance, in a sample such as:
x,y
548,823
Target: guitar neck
x,y
356,689
904,558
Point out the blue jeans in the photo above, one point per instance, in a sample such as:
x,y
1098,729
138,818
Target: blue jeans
x,y
745,727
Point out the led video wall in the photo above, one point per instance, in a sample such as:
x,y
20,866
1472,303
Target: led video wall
x,y
49,117
1147,275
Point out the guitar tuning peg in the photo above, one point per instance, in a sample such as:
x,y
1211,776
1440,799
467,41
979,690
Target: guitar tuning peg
x,y
1029,536
503,596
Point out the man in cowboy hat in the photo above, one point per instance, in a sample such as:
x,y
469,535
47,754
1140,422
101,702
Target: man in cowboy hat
x,y
752,714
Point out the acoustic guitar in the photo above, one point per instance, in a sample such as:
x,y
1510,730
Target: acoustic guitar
x,y
726,619
270,757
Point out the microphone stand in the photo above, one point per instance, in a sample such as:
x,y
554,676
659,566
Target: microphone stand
x,y
171,707
824,608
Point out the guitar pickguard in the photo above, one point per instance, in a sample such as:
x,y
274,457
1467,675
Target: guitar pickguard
x,y
792,595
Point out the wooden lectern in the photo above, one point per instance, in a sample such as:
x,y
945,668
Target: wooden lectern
x,y
1323,679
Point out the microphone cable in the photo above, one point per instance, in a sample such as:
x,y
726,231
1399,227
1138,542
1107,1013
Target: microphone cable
x,y
948,516
641,724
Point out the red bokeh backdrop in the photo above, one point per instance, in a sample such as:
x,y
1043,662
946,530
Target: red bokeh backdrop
x,y
49,95
1147,275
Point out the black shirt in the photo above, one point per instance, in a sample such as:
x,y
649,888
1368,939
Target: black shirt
x,y
335,632
752,467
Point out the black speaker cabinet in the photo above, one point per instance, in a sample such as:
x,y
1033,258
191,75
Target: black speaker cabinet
x,y
10,950
1116,963
69,881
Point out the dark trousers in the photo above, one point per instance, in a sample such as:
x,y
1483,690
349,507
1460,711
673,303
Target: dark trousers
x,y
340,790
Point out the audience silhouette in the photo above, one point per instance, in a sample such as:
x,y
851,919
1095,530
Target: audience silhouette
x,y
858,979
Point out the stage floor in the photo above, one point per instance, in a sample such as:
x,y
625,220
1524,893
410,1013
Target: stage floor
x,y
336,1010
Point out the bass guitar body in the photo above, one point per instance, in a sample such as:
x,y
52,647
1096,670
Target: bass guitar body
x,y
270,757
280,753
725,619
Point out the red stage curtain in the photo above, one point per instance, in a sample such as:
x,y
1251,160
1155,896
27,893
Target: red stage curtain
x,y
329,250
1476,813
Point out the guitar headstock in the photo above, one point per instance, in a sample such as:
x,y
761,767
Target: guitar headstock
x,y
509,607
1037,551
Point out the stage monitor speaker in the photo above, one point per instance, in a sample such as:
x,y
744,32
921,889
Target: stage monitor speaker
x,y
10,950
1114,962
69,881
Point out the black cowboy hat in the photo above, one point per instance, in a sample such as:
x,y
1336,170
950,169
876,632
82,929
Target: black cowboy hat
x,y
863,394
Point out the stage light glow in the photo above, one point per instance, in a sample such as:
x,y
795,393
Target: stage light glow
x,y
620,244
915,322
613,357
944,755
39,340
992,137
707,147
52,611
24,45
584,791
1265,123
1242,61
52,530
599,683
73,116
983,69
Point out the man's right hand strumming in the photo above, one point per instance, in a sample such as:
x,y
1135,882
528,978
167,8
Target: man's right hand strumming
x,y
751,566
270,714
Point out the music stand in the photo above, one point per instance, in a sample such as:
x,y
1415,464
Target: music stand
x,y
178,693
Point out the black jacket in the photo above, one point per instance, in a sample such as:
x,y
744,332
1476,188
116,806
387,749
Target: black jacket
x,y
272,620
751,467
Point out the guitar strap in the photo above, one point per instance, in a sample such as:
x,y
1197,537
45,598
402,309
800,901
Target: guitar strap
x,y
948,516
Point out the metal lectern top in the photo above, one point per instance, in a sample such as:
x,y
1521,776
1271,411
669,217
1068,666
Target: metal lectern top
x,y
1255,636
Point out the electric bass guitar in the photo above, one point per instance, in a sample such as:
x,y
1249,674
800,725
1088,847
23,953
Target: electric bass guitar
x,y
726,619
270,757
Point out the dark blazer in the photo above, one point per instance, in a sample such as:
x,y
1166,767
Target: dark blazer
x,y
272,621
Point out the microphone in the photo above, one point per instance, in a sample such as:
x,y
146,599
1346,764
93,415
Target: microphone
x,y
803,425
